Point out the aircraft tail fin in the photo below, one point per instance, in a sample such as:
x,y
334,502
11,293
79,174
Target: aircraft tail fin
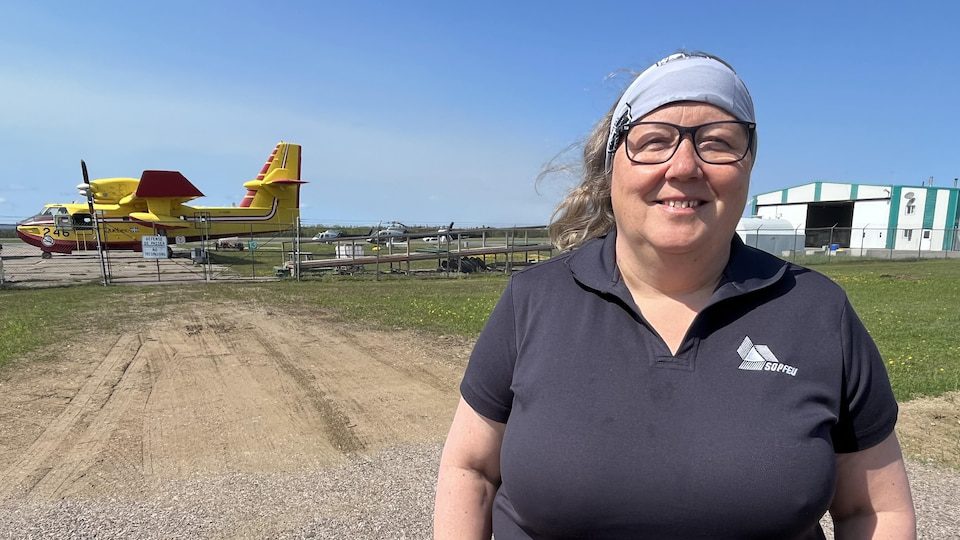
x,y
282,168
277,188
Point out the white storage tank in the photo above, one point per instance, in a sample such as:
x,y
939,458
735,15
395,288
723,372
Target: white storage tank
x,y
773,235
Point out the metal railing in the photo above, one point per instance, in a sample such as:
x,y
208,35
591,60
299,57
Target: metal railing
x,y
445,251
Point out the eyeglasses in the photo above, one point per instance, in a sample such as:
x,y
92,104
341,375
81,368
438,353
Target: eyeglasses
x,y
717,143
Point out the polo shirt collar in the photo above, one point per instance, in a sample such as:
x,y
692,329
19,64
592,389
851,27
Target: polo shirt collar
x,y
748,270
594,265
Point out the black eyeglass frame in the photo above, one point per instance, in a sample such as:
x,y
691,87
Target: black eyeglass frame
x,y
692,131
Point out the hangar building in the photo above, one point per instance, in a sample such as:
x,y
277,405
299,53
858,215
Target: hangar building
x,y
867,216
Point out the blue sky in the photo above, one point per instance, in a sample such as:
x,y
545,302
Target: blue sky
x,y
427,112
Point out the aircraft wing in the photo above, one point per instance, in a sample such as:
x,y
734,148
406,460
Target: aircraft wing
x,y
163,191
167,185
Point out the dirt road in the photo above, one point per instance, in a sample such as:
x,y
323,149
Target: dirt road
x,y
218,391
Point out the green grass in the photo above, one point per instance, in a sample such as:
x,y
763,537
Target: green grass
x,y
256,263
448,306
912,310
33,319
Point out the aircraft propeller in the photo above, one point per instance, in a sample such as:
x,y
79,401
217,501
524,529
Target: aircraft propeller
x,y
87,190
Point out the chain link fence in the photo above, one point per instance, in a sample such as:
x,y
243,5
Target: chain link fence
x,y
829,243
421,250
157,254
308,251
248,252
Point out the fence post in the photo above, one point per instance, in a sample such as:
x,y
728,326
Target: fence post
x,y
459,256
297,239
157,260
483,244
830,244
893,244
251,247
863,238
100,245
96,223
104,254
796,233
353,257
509,251
205,260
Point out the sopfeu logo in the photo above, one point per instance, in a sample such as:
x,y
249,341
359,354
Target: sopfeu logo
x,y
761,358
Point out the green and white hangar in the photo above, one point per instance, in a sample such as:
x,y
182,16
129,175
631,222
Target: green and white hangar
x,y
867,216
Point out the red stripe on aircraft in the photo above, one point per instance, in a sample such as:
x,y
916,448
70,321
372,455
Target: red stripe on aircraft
x,y
266,165
247,199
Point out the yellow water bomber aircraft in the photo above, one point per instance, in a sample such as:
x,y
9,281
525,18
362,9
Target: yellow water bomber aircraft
x,y
126,209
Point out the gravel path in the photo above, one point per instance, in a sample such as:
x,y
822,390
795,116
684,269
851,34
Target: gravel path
x,y
387,496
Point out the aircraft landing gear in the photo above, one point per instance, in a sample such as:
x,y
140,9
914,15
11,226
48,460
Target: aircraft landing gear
x,y
46,255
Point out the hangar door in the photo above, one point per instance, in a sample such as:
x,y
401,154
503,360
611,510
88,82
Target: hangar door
x,y
824,216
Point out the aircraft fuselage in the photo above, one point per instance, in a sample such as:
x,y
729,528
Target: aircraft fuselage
x,y
127,209
65,228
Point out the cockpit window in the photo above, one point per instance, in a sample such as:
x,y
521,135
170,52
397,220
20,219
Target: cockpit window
x,y
53,211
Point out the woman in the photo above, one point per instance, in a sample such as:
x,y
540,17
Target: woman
x,y
660,379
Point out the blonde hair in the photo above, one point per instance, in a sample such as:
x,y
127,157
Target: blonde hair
x,y
586,212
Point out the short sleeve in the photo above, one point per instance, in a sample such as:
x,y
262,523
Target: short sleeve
x,y
489,375
868,410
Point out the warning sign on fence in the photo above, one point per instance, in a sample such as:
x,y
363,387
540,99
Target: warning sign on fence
x,y
154,247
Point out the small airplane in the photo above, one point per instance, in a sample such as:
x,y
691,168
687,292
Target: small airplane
x,y
388,233
127,209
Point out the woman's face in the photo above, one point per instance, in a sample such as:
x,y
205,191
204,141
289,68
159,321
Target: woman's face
x,y
683,205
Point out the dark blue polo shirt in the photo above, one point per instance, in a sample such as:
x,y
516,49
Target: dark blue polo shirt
x,y
609,435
